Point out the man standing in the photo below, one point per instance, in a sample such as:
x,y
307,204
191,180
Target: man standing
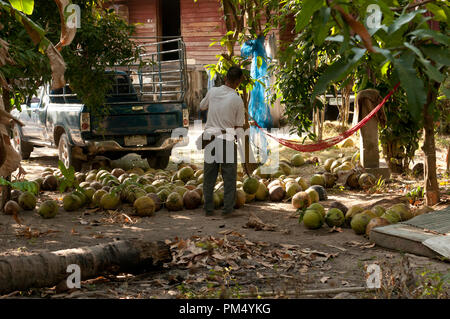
x,y
225,115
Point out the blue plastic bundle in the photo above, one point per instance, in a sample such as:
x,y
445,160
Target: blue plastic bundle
x,y
258,107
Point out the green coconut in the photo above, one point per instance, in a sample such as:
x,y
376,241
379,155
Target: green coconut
x,y
359,223
352,212
392,216
98,196
292,189
27,201
240,199
71,202
250,185
317,179
329,179
185,174
144,206
297,160
302,182
317,207
285,168
150,189
110,201
313,194
328,163
262,193
312,219
334,217
180,190
174,201
378,210
403,211
48,209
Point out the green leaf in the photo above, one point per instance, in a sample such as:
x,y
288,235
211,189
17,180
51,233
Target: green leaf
x,y
430,70
402,19
25,6
304,16
413,85
439,13
337,71
427,34
437,54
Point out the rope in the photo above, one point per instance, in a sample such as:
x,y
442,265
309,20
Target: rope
x,y
296,145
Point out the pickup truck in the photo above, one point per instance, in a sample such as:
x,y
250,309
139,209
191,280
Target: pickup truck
x,y
131,123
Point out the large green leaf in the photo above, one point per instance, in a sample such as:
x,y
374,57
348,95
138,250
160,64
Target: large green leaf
x,y
431,34
430,70
305,14
337,71
410,81
437,54
25,6
403,19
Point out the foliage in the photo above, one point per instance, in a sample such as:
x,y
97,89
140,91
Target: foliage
x,y
69,180
101,42
23,186
29,62
403,41
415,195
300,66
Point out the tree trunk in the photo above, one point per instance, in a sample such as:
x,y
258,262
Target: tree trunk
x,y
429,148
50,268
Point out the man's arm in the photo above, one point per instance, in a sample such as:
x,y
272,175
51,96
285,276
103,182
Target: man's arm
x,y
204,104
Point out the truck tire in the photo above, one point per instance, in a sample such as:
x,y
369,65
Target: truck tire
x,y
21,147
159,160
65,153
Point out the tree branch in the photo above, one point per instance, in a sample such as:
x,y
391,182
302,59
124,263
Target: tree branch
x,y
412,5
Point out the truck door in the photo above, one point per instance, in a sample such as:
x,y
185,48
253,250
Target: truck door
x,y
31,118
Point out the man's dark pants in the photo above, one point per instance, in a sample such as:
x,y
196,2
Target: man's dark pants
x,y
229,171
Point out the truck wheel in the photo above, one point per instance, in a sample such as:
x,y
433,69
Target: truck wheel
x,y
159,160
65,153
21,147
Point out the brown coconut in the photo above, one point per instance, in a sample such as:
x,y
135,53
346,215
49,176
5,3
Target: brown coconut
x,y
301,200
192,199
50,183
11,208
276,193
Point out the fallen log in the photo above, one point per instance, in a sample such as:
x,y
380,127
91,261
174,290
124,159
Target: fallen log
x,y
50,268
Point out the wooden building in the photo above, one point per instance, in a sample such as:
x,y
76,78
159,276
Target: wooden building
x,y
198,23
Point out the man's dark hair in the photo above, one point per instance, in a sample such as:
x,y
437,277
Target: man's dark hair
x,y
234,74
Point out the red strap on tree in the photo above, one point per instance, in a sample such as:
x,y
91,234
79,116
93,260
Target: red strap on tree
x,y
296,145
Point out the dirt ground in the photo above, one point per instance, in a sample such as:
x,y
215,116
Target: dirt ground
x,y
217,257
